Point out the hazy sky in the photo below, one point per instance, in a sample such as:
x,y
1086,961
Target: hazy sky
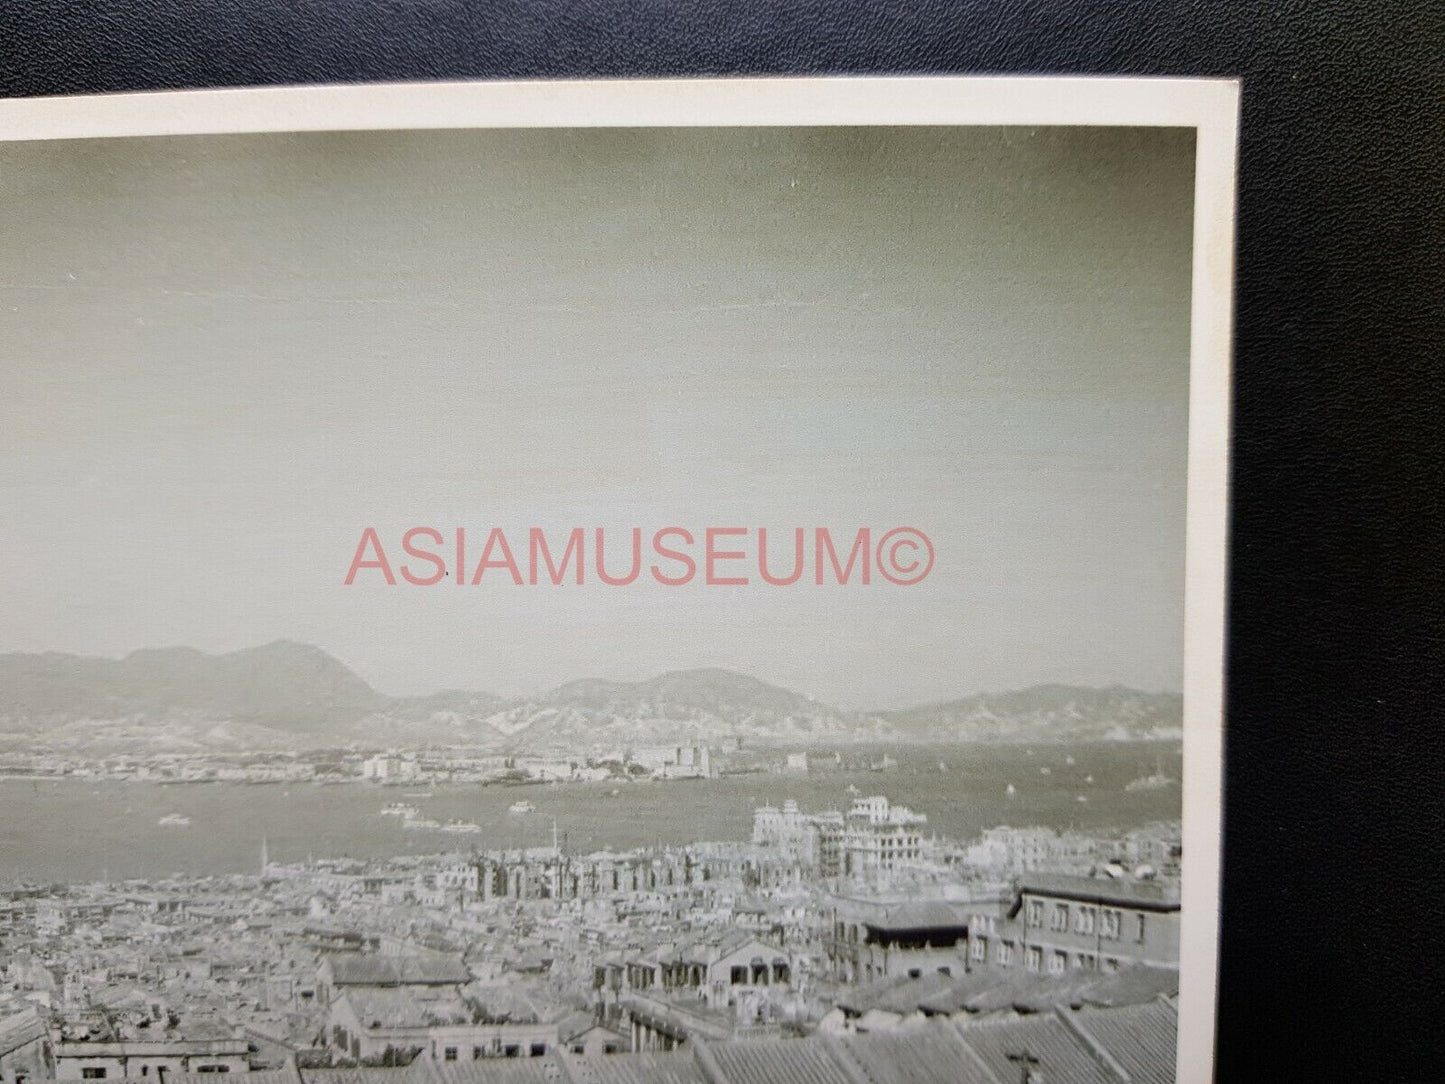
x,y
222,357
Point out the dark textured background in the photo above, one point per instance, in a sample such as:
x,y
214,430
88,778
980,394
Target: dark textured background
x,y
1333,894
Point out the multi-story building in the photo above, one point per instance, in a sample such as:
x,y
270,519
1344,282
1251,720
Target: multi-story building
x,y
152,1059
1016,851
878,837
872,838
1055,923
865,939
788,833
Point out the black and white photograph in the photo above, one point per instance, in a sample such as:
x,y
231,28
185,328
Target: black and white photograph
x,y
726,591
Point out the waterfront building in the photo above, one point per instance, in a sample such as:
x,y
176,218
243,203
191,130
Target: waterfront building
x,y
673,761
390,768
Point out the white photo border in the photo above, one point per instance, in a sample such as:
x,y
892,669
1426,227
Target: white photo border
x,y
1209,106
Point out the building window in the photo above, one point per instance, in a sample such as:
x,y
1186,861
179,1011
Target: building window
x,y
1034,958
1111,964
1058,963
539,1049
1061,916
739,976
1084,920
1036,912
93,1072
1109,924
1140,935
511,1050
1005,954
980,949
450,1053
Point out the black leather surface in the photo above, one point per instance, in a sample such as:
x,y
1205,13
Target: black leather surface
x,y
1333,890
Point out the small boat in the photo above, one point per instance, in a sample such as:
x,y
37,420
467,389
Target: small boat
x,y
1069,761
420,823
1046,771
174,820
1157,781
1011,791
461,827
1080,798
521,807
400,809
1088,779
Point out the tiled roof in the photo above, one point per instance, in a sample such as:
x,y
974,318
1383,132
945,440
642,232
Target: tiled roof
x,y
390,1008
544,1070
1004,1042
361,1075
1087,1046
1131,986
859,999
1141,1038
932,1055
20,1028
365,969
265,1076
796,1061
678,1067
1149,895
928,914
908,997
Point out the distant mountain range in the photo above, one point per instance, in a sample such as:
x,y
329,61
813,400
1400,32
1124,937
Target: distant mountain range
x,y
290,695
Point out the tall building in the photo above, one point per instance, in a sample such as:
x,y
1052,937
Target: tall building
x,y
878,837
874,837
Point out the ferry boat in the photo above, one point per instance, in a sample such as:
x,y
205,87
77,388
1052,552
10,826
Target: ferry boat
x,y
400,809
174,820
460,827
521,807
